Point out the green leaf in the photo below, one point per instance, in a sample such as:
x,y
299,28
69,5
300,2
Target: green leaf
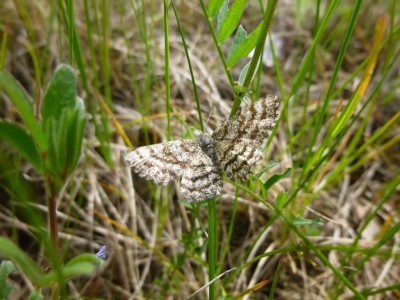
x,y
269,165
79,265
232,20
80,106
17,137
276,177
281,200
245,70
85,258
245,47
21,102
65,142
263,191
76,125
213,7
60,94
239,90
51,278
289,216
6,268
35,295
54,164
63,115
10,251
222,14
240,36
303,221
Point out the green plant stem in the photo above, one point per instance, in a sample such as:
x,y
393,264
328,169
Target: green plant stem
x,y
230,231
261,42
278,213
257,52
52,209
196,94
167,81
211,246
217,43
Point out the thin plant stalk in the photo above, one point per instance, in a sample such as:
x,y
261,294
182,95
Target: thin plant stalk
x,y
52,210
212,243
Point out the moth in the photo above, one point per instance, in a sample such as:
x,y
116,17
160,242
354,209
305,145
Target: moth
x,y
232,148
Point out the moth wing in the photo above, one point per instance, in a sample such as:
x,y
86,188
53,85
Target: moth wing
x,y
237,140
237,159
253,124
202,180
162,163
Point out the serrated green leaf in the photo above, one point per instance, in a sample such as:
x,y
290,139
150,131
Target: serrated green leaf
x,y
276,177
21,102
22,142
6,268
213,7
10,251
246,46
240,36
60,94
222,15
231,20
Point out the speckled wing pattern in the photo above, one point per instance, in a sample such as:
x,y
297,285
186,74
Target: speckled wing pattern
x,y
237,139
201,180
165,162
232,148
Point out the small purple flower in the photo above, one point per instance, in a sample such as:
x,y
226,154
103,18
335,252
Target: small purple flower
x,y
102,252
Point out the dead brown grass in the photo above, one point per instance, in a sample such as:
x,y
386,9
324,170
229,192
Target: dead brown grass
x,y
103,204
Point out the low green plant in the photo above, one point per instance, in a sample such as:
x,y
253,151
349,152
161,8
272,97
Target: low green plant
x,y
52,144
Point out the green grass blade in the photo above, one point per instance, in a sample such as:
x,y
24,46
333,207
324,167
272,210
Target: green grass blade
x,y
353,103
196,94
299,79
167,70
